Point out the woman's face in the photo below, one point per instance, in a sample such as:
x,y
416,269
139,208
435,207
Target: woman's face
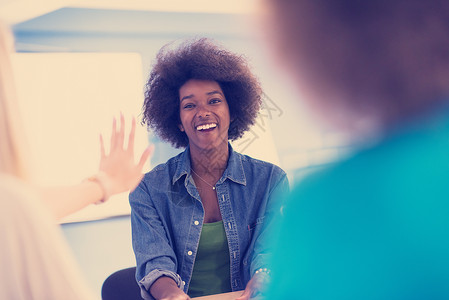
x,y
204,113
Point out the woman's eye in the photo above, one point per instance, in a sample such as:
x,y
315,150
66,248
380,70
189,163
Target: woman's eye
x,y
214,101
188,106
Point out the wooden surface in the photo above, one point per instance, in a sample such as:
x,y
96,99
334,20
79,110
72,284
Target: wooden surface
x,y
224,296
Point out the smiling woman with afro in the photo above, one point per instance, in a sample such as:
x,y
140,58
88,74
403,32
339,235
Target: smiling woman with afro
x,y
200,221
199,59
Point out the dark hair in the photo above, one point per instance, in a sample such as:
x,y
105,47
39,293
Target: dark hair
x,y
199,59
383,58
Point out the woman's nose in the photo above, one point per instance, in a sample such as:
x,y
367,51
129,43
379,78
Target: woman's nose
x,y
203,112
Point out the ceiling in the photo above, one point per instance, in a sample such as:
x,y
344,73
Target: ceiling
x,y
17,11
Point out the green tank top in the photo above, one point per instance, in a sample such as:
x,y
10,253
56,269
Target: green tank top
x,y
211,272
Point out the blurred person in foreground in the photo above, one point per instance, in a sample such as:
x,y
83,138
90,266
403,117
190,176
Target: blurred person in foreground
x,y
35,261
375,225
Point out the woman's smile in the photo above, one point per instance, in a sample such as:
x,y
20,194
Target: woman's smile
x,y
204,113
206,127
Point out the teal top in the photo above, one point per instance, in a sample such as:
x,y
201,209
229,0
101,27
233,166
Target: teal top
x,y
372,227
211,272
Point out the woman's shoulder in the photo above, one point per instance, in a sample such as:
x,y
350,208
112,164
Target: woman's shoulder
x,y
258,164
167,168
259,171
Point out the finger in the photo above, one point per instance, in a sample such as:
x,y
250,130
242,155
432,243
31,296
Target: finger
x,y
131,136
121,134
102,151
145,155
245,295
114,132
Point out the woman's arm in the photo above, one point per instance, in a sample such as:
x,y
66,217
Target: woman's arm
x,y
117,173
156,259
167,289
258,283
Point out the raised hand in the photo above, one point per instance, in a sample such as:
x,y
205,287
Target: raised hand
x,y
118,171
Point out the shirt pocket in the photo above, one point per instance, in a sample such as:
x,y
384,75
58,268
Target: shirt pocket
x,y
255,224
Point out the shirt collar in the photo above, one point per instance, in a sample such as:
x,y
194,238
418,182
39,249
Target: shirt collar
x,y
234,170
183,165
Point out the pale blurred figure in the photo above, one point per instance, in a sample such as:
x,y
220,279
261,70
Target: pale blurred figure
x,y
35,261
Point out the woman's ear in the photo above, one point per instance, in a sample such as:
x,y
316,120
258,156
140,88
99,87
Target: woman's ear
x,y
181,127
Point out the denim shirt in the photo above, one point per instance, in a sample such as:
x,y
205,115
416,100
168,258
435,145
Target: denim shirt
x,y
167,217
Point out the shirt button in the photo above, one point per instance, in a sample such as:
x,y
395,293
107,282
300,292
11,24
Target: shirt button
x,y
196,222
190,253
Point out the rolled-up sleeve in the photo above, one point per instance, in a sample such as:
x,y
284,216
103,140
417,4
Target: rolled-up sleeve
x,y
149,279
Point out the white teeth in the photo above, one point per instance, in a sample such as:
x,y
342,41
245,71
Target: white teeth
x,y
206,126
